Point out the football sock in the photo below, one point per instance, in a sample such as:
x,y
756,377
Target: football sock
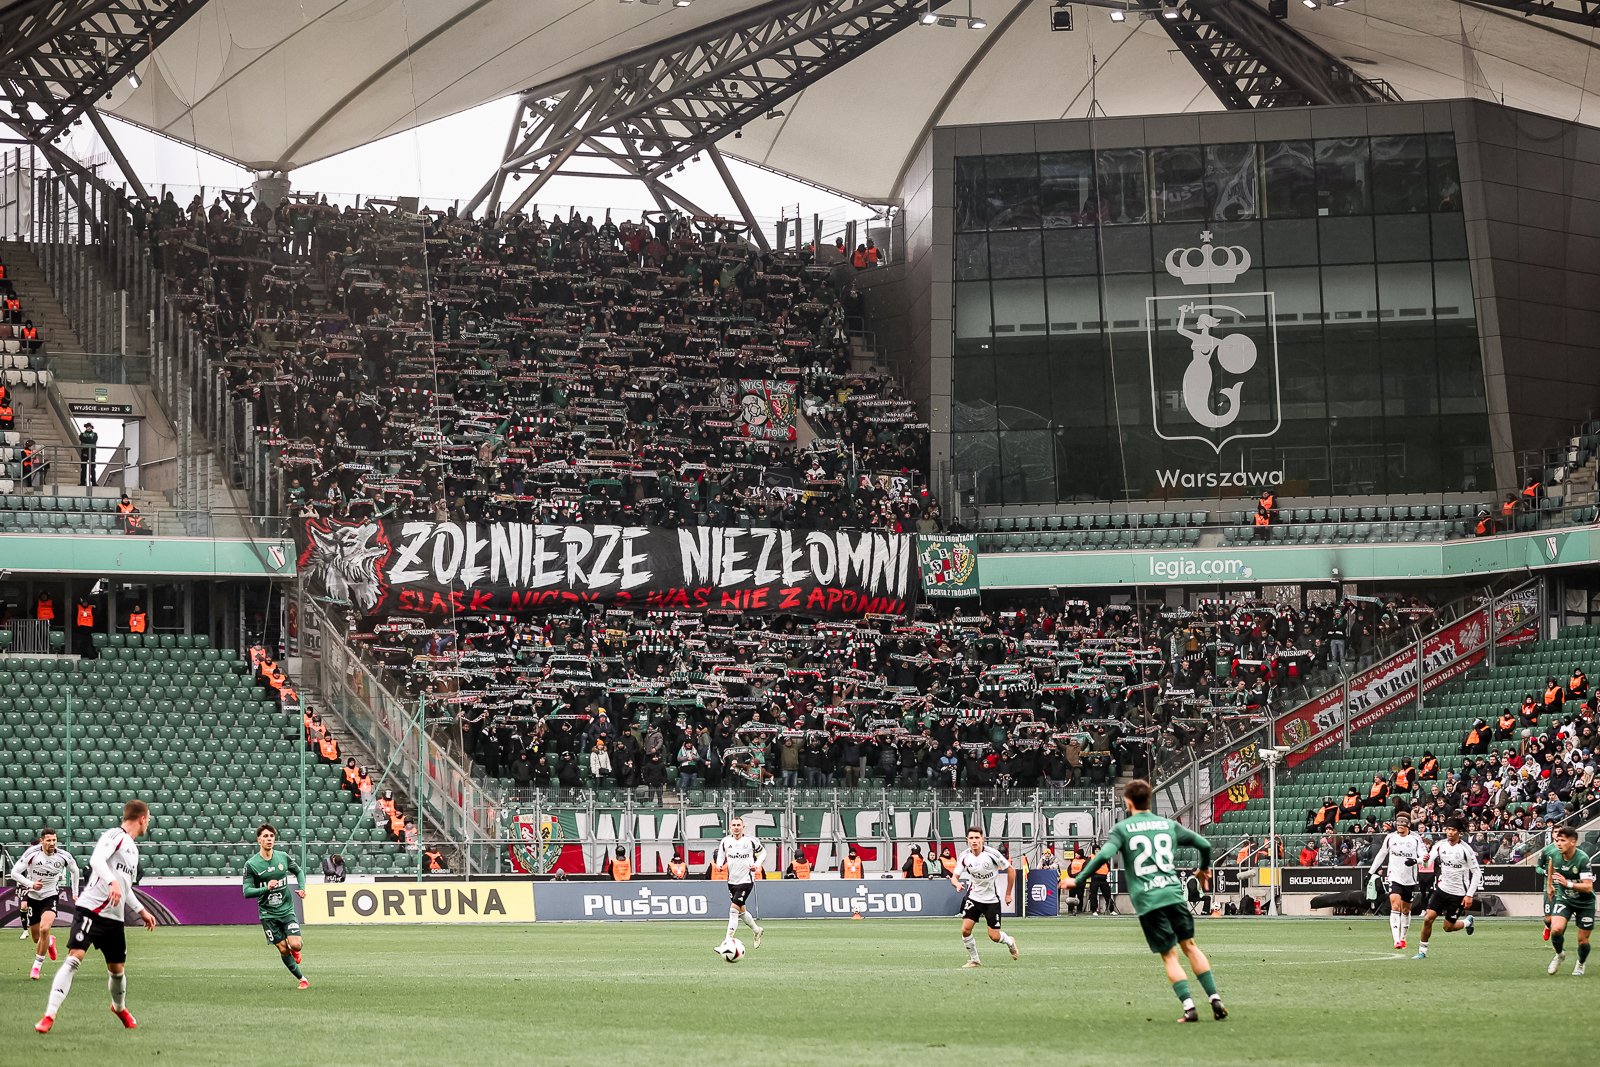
x,y
733,921
1423,947
1181,988
1007,940
62,984
1583,954
118,984
1394,924
38,961
1558,942
972,946
749,920
1405,924
1208,983
294,968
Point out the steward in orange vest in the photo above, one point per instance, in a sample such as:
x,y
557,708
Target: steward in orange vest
x,y
1349,806
1554,695
851,867
1430,765
44,608
799,867
329,748
138,621
677,868
435,860
1504,726
1405,779
85,614
1378,792
719,872
915,866
1577,686
621,869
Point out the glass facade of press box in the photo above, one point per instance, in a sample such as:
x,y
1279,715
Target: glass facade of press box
x,y
1166,322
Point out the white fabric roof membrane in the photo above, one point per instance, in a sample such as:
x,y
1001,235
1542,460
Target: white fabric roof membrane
x,y
282,83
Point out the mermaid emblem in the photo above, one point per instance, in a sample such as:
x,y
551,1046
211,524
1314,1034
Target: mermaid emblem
x,y
1213,365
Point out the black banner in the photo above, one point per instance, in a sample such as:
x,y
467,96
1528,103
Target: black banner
x,y
442,568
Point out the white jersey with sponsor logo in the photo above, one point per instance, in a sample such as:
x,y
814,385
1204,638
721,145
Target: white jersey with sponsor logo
x,y
1404,853
116,858
981,872
741,855
1457,867
36,865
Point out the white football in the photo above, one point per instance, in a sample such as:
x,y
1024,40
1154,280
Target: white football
x,y
731,950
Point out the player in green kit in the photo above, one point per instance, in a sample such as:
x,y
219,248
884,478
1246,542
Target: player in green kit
x,y
1570,894
1146,843
266,880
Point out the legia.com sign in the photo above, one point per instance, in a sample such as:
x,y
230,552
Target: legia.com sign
x,y
440,568
1213,362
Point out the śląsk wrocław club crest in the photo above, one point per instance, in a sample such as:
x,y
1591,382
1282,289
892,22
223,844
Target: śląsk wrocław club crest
x,y
1213,351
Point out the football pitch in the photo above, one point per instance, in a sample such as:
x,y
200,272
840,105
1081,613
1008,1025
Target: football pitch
x,y
1086,991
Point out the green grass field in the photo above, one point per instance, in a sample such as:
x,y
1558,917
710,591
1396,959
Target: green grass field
x,y
888,992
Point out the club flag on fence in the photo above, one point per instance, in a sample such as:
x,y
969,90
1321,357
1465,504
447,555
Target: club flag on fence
x,y
1237,797
949,564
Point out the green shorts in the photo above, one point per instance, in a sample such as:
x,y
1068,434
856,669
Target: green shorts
x,y
1166,926
279,930
1579,915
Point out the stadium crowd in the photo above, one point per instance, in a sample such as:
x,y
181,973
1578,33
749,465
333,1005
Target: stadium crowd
x,y
666,372
1060,695
661,372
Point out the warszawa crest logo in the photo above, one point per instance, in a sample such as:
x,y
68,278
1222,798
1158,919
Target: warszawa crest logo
x,y
1213,354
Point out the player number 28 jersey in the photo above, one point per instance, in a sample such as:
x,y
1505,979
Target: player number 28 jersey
x,y
1404,855
115,859
36,865
1147,843
982,873
740,855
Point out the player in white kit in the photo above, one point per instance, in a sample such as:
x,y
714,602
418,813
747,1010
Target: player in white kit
x,y
38,874
101,907
980,867
741,855
1404,851
1455,882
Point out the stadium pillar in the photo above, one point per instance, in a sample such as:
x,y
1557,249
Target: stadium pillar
x,y
66,821
422,741
1271,756
300,736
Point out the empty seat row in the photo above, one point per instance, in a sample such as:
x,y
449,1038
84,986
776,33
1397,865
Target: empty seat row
x,y
1074,521
28,379
1358,532
1068,540
30,502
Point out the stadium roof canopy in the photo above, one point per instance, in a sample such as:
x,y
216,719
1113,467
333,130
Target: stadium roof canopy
x,y
277,84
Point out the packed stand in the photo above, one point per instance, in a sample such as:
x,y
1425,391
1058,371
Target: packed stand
x,y
1069,695
663,372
